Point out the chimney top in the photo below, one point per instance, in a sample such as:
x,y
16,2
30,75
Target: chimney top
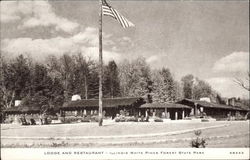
x,y
76,97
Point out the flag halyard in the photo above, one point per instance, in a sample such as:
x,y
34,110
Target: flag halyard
x,y
107,10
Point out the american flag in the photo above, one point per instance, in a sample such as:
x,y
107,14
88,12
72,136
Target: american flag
x,y
107,10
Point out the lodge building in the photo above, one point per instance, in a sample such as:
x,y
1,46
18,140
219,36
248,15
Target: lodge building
x,y
111,106
138,107
173,111
215,110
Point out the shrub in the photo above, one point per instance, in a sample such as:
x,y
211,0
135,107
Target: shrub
x,y
143,119
204,120
94,119
158,120
70,119
126,119
49,120
188,118
61,119
131,119
240,118
120,119
117,119
8,120
53,117
198,142
248,115
86,118
89,118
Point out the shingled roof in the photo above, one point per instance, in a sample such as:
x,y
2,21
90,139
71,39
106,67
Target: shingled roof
x,y
22,109
209,104
107,102
164,105
30,109
242,106
12,110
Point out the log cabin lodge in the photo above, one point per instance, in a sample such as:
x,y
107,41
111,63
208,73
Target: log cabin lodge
x,y
137,107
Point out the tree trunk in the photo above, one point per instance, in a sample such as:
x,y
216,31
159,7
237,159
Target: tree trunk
x,y
86,87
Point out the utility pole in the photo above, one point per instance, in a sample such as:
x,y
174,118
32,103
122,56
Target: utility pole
x,y
100,64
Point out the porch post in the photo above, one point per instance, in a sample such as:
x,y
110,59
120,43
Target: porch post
x,y
183,113
195,109
81,113
176,115
166,112
154,110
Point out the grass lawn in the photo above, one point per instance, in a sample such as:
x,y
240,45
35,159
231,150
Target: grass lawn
x,y
232,134
92,129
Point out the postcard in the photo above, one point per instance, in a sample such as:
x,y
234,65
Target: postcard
x,y
136,79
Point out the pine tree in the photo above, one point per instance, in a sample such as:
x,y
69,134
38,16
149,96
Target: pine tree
x,y
93,85
45,90
164,89
158,86
188,81
125,74
169,87
111,81
41,86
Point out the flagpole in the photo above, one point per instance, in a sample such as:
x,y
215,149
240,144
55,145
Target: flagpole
x,y
100,64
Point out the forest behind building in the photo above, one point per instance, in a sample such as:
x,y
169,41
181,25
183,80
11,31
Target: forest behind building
x,y
54,81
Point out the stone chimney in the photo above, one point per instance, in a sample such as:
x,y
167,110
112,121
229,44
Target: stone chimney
x,y
207,99
76,97
231,101
17,103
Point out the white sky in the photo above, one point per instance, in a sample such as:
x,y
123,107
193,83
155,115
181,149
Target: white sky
x,y
207,39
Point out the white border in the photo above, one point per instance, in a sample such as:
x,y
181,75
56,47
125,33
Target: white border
x,y
122,153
